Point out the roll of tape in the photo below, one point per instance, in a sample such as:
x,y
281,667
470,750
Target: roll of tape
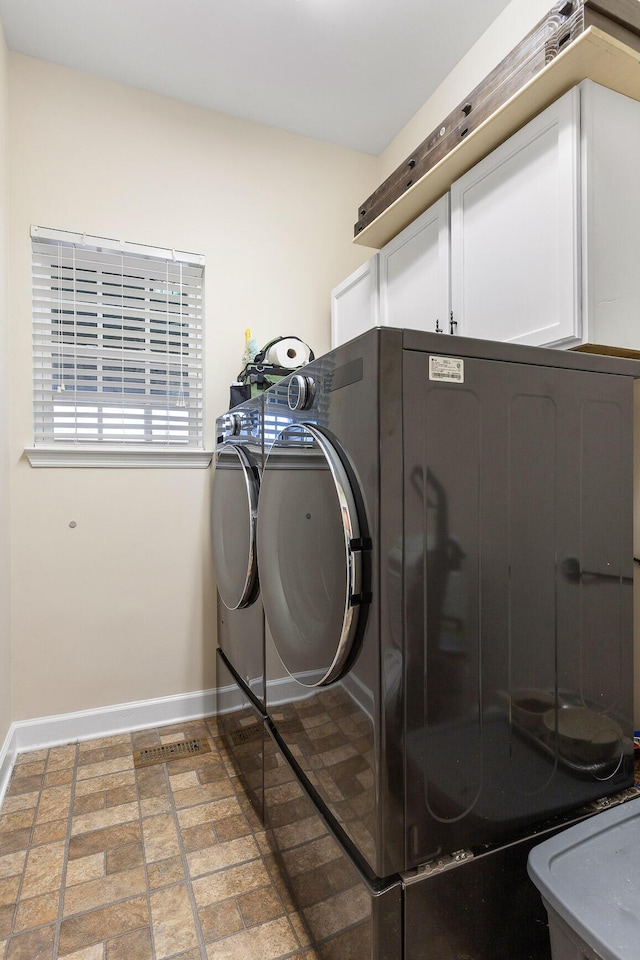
x,y
290,353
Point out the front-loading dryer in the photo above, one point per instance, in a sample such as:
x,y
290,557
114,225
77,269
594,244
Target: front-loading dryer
x,y
444,544
234,501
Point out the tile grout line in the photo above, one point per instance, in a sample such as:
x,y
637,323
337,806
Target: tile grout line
x,y
24,870
185,866
31,846
68,838
67,844
26,857
144,860
127,897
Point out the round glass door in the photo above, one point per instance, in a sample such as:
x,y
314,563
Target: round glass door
x,y
309,555
234,506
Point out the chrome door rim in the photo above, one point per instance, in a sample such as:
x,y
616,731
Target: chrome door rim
x,y
249,589
353,555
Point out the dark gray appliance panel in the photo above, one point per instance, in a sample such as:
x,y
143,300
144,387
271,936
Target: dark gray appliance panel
x,y
517,596
243,730
346,917
241,638
484,909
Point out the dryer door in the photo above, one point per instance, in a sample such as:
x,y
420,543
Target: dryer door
x,y
310,555
234,507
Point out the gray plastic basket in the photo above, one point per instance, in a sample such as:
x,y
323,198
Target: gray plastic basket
x,y
589,879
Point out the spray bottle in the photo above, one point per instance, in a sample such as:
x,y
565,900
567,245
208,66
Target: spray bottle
x,y
250,347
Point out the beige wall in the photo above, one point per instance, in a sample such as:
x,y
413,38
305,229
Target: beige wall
x,y
121,607
5,648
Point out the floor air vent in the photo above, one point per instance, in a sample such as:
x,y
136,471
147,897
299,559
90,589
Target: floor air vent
x,y
170,751
253,731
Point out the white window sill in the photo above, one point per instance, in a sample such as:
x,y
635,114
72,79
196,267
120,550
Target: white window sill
x,y
92,456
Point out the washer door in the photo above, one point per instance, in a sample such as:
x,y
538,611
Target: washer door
x,y
309,554
234,507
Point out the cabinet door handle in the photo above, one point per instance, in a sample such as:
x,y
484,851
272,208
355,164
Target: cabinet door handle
x,y
452,324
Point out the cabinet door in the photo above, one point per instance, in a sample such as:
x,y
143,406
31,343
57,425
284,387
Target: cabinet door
x,y
610,127
354,303
414,273
515,235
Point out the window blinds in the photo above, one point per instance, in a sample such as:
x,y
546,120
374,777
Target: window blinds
x,y
118,342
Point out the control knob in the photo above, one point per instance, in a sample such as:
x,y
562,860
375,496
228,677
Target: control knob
x,y
231,423
301,392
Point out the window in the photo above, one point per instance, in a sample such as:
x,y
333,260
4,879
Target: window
x,y
117,336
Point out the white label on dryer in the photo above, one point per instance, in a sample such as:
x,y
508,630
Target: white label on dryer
x,y
450,369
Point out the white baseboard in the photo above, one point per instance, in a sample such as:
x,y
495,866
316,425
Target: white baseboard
x,y
108,721
45,732
7,760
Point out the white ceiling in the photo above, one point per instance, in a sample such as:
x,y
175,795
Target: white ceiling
x,y
352,72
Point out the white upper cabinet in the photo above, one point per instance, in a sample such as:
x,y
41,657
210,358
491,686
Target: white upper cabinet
x,y
545,231
515,244
414,273
354,303
406,284
539,243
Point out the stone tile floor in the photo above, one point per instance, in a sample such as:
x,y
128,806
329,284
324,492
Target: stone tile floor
x,y
102,861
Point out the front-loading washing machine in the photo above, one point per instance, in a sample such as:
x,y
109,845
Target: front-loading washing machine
x,y
234,503
241,632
